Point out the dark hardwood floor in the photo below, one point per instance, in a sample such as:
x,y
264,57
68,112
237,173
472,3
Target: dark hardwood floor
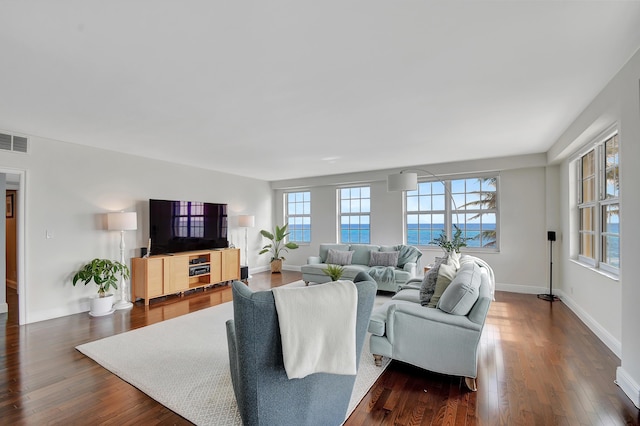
x,y
539,365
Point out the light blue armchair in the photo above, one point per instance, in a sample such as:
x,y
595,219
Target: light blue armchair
x,y
264,394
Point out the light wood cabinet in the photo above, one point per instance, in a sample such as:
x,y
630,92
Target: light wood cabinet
x,y
230,265
176,274
157,276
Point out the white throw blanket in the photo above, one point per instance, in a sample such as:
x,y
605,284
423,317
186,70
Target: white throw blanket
x,y
318,328
489,271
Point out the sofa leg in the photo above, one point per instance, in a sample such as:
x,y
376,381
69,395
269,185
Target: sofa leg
x,y
377,359
471,383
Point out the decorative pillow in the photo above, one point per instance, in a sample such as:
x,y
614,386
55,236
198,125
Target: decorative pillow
x,y
429,282
463,292
446,273
339,257
387,258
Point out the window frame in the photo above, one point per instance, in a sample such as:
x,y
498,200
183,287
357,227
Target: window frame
x,y
352,214
288,216
455,215
599,202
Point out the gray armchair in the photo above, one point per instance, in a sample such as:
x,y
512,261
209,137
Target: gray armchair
x,y
264,394
432,338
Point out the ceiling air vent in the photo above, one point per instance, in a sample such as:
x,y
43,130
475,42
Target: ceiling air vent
x,y
13,143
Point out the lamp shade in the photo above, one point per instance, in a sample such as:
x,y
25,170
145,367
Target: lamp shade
x,y
122,221
407,181
246,221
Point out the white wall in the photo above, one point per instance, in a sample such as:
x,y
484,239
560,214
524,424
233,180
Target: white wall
x,y
609,307
69,188
521,263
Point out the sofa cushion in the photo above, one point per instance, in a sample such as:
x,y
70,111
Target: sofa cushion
x,y
462,293
408,294
324,249
339,257
361,253
378,258
446,274
429,282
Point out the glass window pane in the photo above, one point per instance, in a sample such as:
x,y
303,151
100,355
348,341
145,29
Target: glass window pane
x,y
611,218
473,185
586,219
611,152
588,189
611,250
588,164
586,245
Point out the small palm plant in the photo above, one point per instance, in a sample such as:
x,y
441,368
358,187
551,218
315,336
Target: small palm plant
x,y
277,246
103,272
452,245
334,272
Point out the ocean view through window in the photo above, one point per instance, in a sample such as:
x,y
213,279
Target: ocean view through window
x,y
355,209
437,205
298,216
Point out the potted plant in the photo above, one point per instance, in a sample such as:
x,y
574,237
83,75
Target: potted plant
x,y
334,271
452,245
277,246
104,273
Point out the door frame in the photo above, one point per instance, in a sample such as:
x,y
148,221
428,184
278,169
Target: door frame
x,y
21,239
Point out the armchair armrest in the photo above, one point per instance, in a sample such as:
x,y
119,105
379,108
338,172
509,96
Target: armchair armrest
x,y
314,260
413,283
412,316
411,268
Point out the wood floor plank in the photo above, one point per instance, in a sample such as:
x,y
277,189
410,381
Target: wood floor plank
x,y
538,364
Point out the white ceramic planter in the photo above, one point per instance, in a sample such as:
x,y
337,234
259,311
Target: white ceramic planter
x,y
101,306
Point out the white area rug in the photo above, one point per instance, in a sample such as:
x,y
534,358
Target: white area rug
x,y
183,363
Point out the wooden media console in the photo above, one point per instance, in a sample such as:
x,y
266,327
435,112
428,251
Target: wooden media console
x,y
162,275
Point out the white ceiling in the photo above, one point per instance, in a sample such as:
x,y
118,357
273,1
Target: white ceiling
x,y
284,89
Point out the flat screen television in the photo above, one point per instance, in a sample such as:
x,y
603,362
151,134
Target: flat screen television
x,y
178,226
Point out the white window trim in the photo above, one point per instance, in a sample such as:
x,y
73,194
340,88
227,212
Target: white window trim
x,y
287,215
340,214
598,145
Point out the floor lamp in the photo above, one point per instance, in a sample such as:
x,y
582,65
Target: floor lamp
x,y
246,221
122,221
551,236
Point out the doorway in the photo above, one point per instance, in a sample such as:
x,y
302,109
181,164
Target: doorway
x,y
11,252
15,294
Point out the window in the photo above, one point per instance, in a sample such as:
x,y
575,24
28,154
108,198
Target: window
x,y
599,206
470,204
355,209
298,208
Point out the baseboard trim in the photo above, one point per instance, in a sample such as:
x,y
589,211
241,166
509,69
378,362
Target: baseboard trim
x,y
4,307
607,338
524,289
628,386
